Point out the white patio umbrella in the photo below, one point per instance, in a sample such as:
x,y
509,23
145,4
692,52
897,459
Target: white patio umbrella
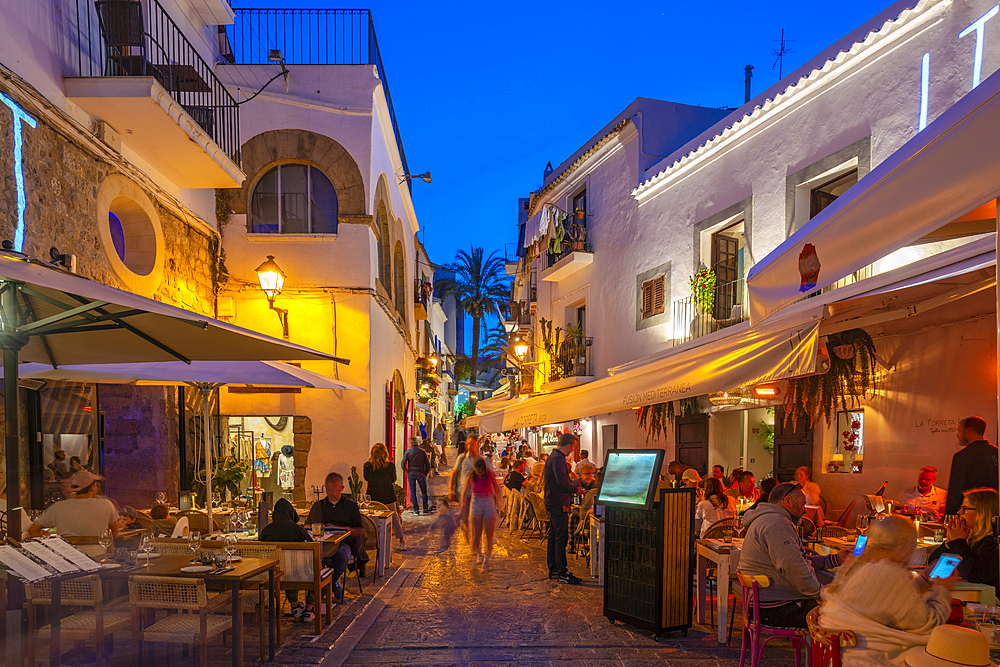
x,y
49,315
205,376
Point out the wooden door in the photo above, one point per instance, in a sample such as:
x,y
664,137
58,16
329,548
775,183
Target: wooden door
x,y
692,441
793,445
725,263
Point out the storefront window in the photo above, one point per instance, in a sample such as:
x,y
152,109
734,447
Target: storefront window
x,y
267,446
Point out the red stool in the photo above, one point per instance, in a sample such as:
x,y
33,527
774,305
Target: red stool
x,y
756,635
827,645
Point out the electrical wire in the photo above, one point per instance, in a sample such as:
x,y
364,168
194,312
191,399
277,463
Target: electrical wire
x,y
283,72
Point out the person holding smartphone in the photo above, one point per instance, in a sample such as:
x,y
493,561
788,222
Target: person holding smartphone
x,y
970,535
875,595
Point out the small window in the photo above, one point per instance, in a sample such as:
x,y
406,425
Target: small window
x,y
830,191
652,297
294,199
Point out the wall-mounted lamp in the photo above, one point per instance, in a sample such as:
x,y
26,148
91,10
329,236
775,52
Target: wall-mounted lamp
x,y
433,359
272,278
426,176
520,348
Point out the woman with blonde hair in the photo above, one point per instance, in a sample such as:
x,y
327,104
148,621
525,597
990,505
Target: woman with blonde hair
x,y
717,505
970,535
380,474
480,498
876,596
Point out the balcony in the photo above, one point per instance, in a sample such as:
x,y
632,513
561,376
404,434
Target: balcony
x,y
133,68
515,316
312,37
511,258
729,308
574,255
571,364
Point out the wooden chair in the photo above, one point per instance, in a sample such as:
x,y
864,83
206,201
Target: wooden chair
x,y
302,570
96,622
827,645
756,635
371,542
198,520
716,531
176,594
541,521
253,600
719,528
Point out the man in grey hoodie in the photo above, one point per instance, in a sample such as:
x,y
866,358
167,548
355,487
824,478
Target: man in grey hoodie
x,y
772,548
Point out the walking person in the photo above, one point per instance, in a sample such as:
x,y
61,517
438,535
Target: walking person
x,y
380,474
440,440
479,502
417,465
558,498
459,474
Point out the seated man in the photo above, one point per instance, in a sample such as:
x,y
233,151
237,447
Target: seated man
x,y
772,548
339,511
584,461
745,489
83,515
925,497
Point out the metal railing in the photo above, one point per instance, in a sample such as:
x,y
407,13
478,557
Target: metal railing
x,y
312,37
573,359
510,253
729,308
574,241
132,38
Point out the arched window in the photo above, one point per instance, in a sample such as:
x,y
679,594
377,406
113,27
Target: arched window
x,y
293,199
384,263
400,283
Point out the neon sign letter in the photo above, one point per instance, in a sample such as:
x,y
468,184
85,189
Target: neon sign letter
x,y
19,117
977,67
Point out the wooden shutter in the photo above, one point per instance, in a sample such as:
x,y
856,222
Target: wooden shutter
x,y
647,298
653,297
658,287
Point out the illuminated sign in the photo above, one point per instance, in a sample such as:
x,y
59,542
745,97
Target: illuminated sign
x,y
19,117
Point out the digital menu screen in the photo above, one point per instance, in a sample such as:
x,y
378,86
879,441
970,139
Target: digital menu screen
x,y
630,477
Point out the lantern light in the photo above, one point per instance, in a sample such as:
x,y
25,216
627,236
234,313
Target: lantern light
x,y
271,278
731,397
520,348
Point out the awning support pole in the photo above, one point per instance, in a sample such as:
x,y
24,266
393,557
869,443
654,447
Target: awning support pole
x,y
205,391
996,362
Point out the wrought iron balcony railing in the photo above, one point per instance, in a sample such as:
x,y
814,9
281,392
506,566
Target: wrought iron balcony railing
x,y
573,359
312,37
133,38
574,241
728,308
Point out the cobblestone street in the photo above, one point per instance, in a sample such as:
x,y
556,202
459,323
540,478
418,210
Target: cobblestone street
x,y
439,610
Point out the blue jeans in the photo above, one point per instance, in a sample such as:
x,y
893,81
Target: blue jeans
x,y
338,561
414,478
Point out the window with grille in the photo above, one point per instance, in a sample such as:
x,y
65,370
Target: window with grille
x,y
652,297
293,199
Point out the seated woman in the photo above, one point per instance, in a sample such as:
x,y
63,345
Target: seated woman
x,y
163,523
970,536
717,505
284,527
879,599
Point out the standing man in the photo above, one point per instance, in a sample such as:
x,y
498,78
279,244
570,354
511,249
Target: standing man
x,y
417,466
339,511
584,461
558,498
973,466
925,497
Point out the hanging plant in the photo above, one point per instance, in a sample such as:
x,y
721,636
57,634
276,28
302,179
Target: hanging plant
x,y
845,384
653,420
702,286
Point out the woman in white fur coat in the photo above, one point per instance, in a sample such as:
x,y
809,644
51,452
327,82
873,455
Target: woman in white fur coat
x,y
888,607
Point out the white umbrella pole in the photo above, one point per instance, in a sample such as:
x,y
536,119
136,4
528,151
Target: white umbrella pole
x,y
208,457
997,239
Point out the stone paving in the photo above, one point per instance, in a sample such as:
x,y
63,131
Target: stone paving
x,y
448,611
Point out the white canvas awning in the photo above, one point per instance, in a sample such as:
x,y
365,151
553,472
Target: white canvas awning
x,y
742,356
947,170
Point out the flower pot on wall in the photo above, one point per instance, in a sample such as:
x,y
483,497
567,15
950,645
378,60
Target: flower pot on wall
x,y
703,323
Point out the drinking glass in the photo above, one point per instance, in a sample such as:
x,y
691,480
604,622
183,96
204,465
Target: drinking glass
x,y
161,498
147,544
368,502
317,529
230,547
862,522
194,543
106,540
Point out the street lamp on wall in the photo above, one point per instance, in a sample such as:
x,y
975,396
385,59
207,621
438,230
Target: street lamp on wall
x,y
271,279
520,348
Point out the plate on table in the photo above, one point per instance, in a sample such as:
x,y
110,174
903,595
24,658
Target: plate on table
x,y
197,568
154,555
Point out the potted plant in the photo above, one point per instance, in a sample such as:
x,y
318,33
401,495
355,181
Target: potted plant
x,y
576,344
354,482
227,476
702,285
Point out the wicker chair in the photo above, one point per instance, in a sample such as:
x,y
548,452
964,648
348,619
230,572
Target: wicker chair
x,y
253,600
719,528
827,645
836,531
371,542
541,522
94,624
174,594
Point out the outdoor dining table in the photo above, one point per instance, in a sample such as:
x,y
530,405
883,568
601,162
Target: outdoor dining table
x,y
727,559
169,565
381,520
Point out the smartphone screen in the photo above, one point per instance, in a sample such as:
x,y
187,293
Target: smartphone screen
x,y
859,547
945,566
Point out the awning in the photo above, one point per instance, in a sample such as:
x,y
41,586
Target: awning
x,y
742,356
948,169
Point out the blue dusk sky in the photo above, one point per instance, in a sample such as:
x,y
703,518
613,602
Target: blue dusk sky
x,y
486,93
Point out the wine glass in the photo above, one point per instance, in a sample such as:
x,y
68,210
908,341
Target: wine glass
x,y
229,544
161,498
194,543
862,523
368,503
147,544
106,540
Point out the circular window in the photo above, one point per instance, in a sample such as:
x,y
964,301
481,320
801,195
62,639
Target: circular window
x,y
130,233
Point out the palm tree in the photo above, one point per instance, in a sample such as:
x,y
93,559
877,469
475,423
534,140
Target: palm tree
x,y
479,285
495,345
